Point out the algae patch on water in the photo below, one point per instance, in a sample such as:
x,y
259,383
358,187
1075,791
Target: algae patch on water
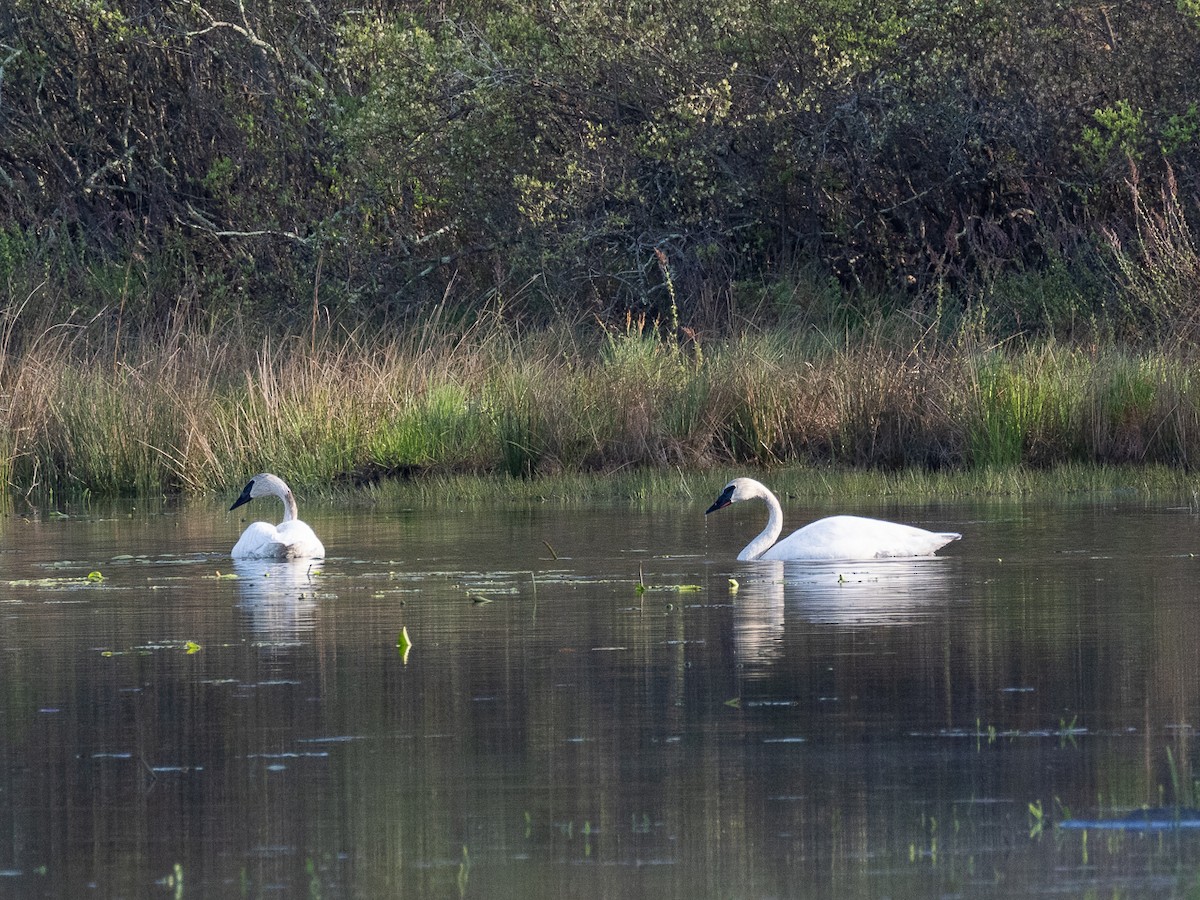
x,y
58,581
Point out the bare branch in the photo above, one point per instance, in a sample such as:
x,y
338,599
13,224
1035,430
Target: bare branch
x,y
203,223
244,30
119,164
11,56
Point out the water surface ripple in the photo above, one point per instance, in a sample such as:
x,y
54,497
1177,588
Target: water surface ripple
x,y
591,708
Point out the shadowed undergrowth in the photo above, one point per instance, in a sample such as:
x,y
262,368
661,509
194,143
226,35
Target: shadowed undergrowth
x,y
196,411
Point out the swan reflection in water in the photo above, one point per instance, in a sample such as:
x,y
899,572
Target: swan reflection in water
x,y
278,597
872,593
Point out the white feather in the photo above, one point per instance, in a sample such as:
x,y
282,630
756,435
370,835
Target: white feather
x,y
836,537
290,539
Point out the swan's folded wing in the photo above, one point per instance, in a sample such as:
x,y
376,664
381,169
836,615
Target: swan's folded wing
x,y
302,542
260,540
855,537
918,542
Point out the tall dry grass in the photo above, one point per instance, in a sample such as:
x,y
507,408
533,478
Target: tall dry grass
x,y
197,409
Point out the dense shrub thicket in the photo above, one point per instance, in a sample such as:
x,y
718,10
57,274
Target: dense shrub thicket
x,y
1030,163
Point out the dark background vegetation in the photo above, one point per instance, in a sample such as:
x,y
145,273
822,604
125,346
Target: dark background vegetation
x,y
1026,165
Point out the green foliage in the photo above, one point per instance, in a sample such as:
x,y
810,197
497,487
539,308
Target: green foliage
x,y
1009,409
444,427
16,248
518,428
95,441
1180,131
1119,129
840,159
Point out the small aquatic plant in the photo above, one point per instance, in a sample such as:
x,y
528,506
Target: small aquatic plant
x,y
1037,819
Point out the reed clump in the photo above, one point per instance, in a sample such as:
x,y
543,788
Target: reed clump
x,y
198,409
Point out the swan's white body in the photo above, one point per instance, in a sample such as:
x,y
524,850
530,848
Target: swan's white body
x,y
290,539
837,537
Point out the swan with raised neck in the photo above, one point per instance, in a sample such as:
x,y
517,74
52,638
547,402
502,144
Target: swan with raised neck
x,y
835,537
290,539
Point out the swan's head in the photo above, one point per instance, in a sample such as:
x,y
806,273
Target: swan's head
x,y
261,486
736,491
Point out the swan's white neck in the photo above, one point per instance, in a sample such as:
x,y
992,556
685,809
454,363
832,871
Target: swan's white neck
x,y
770,534
289,506
266,483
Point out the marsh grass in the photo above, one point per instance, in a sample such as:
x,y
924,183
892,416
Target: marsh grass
x,y
197,410
445,425
1022,407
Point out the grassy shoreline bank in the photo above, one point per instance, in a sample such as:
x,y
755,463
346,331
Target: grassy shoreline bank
x,y
195,412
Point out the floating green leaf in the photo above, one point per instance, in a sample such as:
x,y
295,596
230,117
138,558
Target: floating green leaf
x,y
1037,819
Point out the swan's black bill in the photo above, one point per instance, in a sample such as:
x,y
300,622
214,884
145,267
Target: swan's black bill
x,y
723,501
245,498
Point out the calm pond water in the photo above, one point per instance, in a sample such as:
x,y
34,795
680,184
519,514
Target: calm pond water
x,y
589,710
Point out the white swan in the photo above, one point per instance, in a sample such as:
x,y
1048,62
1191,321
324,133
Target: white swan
x,y
291,539
837,537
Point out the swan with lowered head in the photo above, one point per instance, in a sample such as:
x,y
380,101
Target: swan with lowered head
x,y
836,537
290,539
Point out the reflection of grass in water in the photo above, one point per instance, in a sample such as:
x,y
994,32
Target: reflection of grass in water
x,y
796,483
1126,809
1184,788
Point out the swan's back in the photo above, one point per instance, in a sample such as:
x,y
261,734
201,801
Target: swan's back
x,y
258,541
290,540
856,537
